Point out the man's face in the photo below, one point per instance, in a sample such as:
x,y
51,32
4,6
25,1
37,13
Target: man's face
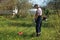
x,y
36,7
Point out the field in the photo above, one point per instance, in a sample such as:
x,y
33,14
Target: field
x,y
9,28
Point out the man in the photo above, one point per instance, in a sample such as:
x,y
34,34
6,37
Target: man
x,y
38,19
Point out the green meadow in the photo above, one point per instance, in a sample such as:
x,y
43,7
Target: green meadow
x,y
9,28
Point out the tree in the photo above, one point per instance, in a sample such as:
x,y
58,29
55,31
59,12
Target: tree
x,y
22,5
54,4
7,4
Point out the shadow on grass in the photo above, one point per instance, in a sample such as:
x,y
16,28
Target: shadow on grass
x,y
48,24
24,24
25,35
20,24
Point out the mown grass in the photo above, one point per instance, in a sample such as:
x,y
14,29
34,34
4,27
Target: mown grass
x,y
9,28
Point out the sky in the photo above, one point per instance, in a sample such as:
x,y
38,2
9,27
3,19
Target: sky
x,y
40,2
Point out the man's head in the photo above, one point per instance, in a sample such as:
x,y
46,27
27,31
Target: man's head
x,y
36,6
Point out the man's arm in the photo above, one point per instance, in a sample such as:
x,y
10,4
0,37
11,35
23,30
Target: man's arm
x,y
36,15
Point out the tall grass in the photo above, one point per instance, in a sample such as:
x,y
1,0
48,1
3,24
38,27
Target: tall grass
x,y
9,28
